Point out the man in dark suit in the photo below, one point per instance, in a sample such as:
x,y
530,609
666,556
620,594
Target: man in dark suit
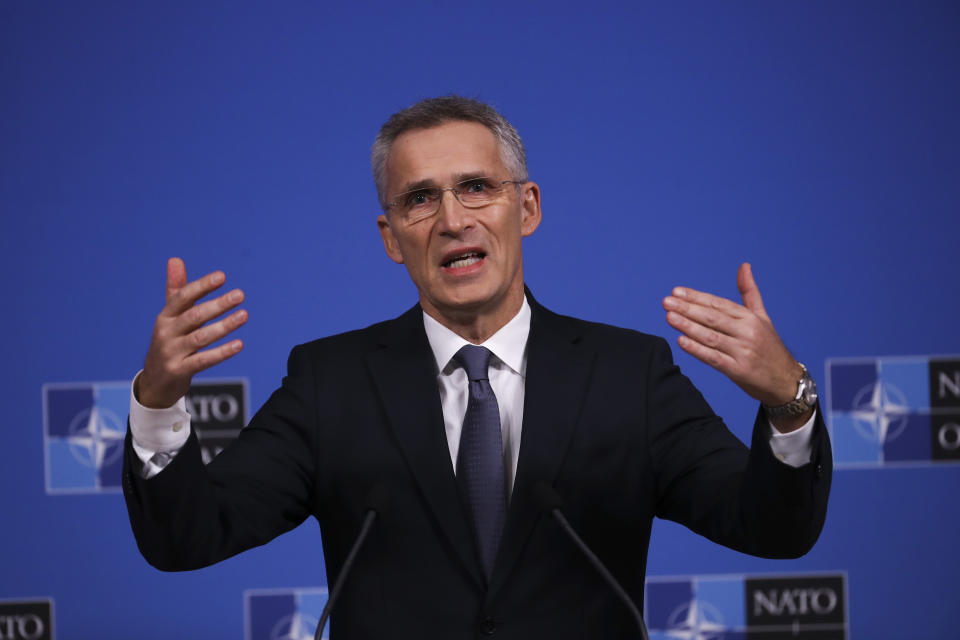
x,y
401,416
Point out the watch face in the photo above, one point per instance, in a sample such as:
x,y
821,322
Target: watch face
x,y
810,392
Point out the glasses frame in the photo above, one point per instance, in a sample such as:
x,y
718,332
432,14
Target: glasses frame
x,y
456,194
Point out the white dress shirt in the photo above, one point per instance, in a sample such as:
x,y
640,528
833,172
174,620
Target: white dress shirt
x,y
158,434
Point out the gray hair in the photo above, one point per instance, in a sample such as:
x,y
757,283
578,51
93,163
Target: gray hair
x,y
434,112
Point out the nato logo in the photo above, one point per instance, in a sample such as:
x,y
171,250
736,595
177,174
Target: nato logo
x,y
737,607
83,430
84,426
26,619
894,411
283,614
218,411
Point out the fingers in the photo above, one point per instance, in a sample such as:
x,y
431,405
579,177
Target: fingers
x,y
740,341
749,291
710,301
176,276
196,340
193,334
716,330
707,316
184,297
184,332
713,357
206,359
730,354
181,333
200,314
702,334
173,360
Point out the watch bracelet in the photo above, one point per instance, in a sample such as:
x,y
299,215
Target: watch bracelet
x,y
792,408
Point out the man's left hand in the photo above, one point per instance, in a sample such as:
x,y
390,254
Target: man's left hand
x,y
739,341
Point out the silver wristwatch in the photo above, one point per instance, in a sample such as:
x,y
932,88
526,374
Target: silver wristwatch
x,y
805,399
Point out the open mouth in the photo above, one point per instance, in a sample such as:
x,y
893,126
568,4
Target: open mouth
x,y
463,260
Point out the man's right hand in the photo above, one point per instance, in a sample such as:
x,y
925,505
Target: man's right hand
x,y
180,333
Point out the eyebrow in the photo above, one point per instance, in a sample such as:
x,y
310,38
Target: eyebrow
x,y
429,183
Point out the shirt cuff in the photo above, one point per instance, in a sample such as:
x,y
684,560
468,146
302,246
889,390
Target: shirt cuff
x,y
793,448
157,430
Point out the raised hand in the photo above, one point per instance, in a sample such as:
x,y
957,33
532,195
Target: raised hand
x,y
181,332
737,339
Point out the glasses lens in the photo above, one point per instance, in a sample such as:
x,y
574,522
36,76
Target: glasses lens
x,y
419,204
478,191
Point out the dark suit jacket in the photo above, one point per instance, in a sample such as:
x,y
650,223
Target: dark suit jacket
x,y
609,422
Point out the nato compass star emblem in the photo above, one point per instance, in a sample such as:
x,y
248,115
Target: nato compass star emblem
x,y
296,626
96,437
696,620
880,412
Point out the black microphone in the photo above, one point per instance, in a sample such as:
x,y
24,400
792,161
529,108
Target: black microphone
x,y
548,500
377,499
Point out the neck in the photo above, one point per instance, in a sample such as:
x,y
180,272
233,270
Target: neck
x,y
477,325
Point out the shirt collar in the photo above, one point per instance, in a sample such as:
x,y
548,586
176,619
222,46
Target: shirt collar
x,y
509,344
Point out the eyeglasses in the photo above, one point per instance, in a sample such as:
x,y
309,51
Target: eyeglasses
x,y
419,204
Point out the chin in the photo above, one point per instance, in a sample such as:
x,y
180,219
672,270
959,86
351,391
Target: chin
x,y
463,299
465,303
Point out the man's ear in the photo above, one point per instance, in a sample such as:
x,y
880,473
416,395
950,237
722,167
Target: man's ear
x,y
389,240
530,208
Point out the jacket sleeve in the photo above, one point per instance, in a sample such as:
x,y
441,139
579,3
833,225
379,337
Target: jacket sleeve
x,y
190,515
707,480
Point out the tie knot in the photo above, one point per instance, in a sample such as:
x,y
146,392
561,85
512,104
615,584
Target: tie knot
x,y
475,360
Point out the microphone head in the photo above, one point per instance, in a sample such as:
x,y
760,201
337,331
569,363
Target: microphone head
x,y
378,498
546,498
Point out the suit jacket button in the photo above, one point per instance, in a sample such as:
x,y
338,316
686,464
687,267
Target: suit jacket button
x,y
819,470
488,626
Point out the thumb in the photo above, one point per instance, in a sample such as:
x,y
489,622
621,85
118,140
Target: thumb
x,y
749,291
176,276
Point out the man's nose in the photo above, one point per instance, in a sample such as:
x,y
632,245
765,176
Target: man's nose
x,y
453,216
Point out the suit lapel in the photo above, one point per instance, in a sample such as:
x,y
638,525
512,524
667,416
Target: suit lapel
x,y
558,373
405,373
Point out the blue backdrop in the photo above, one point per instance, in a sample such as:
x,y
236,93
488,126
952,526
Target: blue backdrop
x,y
817,140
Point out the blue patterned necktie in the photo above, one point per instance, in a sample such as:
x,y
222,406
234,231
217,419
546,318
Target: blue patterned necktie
x,y
480,459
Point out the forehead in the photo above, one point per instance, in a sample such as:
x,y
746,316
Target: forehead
x,y
438,154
